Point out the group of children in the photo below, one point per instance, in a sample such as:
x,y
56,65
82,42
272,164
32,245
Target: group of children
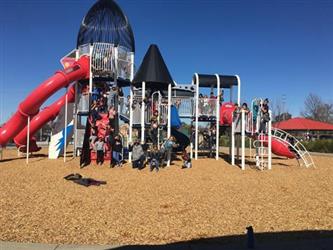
x,y
207,104
103,137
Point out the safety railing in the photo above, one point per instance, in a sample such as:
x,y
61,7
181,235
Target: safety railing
x,y
83,104
124,63
295,145
124,110
102,59
185,106
207,106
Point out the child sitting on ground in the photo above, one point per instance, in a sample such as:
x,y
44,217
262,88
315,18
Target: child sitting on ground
x,y
167,148
117,148
154,159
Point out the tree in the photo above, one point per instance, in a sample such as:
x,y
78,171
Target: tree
x,y
315,108
279,110
282,117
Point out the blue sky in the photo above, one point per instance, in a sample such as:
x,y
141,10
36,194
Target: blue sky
x,y
276,47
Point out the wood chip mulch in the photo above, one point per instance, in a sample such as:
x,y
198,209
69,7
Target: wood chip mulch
x,y
140,207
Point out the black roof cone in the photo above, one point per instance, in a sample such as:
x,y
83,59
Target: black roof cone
x,y
105,22
153,71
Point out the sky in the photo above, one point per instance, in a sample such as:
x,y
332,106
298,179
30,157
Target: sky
x,y
280,49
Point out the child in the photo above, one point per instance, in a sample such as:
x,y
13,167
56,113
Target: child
x,y
264,118
117,149
187,163
154,128
138,155
167,147
154,159
100,149
93,138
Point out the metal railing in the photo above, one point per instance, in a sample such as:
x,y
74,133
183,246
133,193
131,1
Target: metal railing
x,y
102,58
207,106
185,106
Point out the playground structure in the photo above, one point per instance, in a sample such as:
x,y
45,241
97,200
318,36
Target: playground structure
x,y
106,61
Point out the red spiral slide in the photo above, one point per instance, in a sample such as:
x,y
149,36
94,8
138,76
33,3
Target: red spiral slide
x,y
15,126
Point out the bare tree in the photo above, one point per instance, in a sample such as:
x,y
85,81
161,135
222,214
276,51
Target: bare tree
x,y
315,108
279,111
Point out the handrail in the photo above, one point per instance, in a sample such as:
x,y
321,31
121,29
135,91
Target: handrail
x,y
297,146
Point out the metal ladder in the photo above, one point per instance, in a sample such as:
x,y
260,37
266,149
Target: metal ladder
x,y
262,155
295,144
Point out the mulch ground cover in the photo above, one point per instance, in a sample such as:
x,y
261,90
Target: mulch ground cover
x,y
141,207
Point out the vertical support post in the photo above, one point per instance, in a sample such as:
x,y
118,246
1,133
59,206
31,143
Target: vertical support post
x,y
75,119
233,141
231,93
270,141
243,141
90,68
28,141
217,116
130,132
196,116
169,118
65,127
75,109
238,90
159,119
143,107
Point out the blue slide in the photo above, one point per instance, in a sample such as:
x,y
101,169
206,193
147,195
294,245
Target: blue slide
x,y
181,138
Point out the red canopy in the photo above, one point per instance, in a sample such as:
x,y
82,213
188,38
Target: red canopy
x,y
299,123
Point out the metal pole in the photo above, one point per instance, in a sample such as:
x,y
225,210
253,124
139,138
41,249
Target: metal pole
x,y
130,135
238,90
143,113
75,109
90,69
217,116
65,132
196,116
243,140
270,141
233,141
130,122
169,118
28,141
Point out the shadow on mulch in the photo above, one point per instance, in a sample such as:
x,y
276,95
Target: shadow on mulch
x,y
289,240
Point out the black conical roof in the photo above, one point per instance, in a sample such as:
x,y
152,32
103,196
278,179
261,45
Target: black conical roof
x,y
106,23
153,70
